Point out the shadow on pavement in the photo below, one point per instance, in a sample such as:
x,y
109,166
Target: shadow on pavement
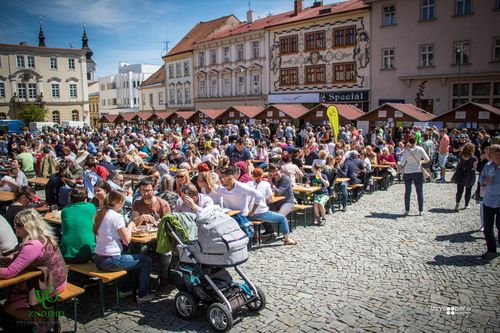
x,y
388,216
459,237
441,210
459,261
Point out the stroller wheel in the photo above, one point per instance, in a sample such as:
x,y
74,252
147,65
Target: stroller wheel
x,y
186,305
259,303
220,318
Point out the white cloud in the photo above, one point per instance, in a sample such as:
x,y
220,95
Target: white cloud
x,y
110,14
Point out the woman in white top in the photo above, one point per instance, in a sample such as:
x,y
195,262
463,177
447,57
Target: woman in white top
x,y
15,179
111,232
413,158
208,184
291,170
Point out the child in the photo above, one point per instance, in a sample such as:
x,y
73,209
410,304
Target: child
x,y
321,196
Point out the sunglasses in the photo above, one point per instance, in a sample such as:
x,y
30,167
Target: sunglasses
x,y
180,176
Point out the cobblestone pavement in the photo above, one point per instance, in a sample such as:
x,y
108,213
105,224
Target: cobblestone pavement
x,y
368,269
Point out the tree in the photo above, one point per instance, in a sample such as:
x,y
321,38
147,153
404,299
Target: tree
x,y
32,112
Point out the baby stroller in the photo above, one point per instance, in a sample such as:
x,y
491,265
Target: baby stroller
x,y
199,268
451,162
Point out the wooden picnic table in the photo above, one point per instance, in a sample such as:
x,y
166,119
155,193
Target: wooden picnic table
x,y
6,196
41,181
52,218
151,236
24,276
305,189
277,198
341,180
381,166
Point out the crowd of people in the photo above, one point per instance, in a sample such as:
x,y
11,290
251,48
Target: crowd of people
x,y
188,167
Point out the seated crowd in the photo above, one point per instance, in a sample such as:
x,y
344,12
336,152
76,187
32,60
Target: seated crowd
x,y
110,181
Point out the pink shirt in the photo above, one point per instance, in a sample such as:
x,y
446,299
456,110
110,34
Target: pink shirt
x,y
444,144
29,252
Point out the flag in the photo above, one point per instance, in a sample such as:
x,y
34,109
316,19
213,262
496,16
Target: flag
x,y
333,116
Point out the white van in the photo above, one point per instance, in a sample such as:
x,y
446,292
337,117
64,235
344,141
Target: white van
x,y
39,125
73,124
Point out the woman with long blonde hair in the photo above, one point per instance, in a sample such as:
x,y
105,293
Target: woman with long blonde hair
x,y
208,185
110,231
38,250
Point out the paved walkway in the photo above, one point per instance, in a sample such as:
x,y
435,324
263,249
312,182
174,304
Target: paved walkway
x,y
369,269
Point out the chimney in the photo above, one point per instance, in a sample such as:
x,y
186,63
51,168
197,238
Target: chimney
x,y
297,8
250,16
23,43
317,4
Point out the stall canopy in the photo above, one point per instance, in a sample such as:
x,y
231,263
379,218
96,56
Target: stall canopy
x,y
394,115
142,115
209,114
108,118
239,113
471,115
126,117
160,116
347,114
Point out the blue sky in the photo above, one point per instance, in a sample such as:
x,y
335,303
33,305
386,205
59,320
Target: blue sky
x,y
120,30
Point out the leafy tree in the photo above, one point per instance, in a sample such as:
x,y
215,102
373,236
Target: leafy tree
x,y
32,112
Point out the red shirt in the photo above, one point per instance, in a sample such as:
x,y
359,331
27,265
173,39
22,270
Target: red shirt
x,y
101,172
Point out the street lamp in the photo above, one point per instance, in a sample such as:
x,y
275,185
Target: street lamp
x,y
458,57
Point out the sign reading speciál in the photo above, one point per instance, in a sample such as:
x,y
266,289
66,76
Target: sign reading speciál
x,y
344,96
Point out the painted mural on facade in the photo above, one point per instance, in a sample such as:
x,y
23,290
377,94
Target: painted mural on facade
x,y
357,54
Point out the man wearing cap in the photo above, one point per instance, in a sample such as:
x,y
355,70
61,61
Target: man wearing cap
x,y
351,169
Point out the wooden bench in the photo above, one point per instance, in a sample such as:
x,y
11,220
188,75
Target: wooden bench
x,y
376,181
71,292
300,209
256,225
352,188
103,277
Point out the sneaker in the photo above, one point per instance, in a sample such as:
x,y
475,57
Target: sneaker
x,y
124,294
481,229
407,212
457,207
289,241
466,207
146,298
344,209
420,213
323,220
489,255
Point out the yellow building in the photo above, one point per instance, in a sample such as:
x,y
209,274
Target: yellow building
x,y
94,102
54,78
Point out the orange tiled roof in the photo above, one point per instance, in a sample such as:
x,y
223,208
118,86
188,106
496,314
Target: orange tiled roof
x,y
198,32
347,111
249,111
108,118
485,107
295,111
310,12
157,77
246,27
412,111
162,115
126,116
144,115
185,114
212,113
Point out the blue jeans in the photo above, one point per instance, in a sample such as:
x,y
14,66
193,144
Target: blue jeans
x,y
344,194
128,262
273,217
418,179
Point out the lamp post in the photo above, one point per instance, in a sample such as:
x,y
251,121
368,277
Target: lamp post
x,y
458,57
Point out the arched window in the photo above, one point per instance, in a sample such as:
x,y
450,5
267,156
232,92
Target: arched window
x,y
74,115
56,117
3,116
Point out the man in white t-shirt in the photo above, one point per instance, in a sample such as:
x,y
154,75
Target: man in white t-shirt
x,y
238,196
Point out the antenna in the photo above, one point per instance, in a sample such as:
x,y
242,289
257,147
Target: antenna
x,y
249,6
165,48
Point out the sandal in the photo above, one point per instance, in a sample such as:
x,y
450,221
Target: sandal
x,y
289,241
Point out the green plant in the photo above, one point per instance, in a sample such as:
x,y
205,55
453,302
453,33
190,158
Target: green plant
x,y
32,112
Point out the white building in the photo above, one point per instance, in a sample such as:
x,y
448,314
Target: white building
x,y
120,93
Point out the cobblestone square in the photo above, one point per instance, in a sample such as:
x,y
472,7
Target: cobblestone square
x,y
367,270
